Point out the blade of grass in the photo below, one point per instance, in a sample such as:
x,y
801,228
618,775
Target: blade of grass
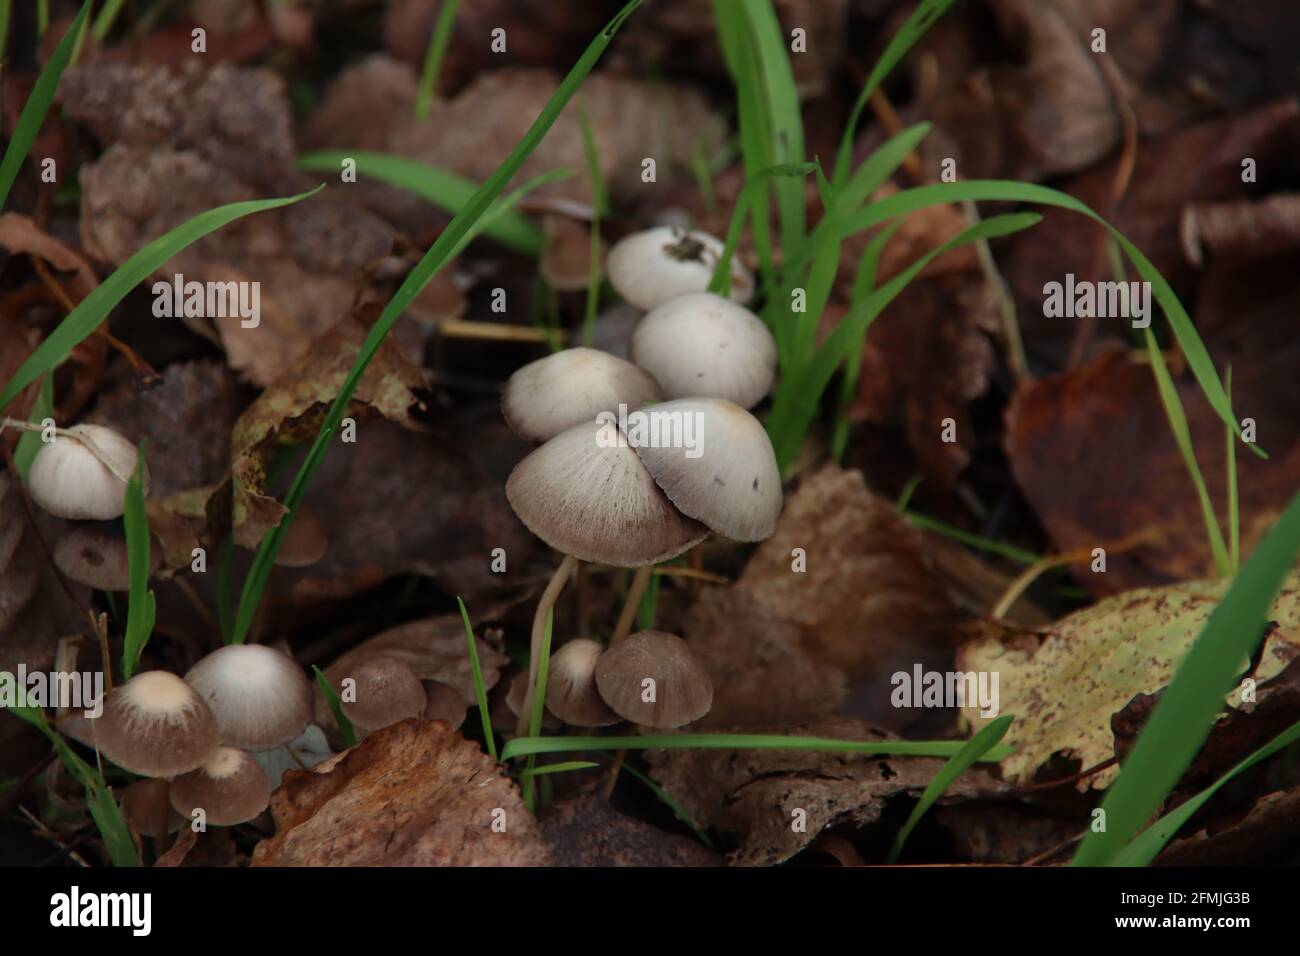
x,y
480,690
566,767
30,442
1147,845
720,281
438,187
94,308
105,18
667,800
141,611
6,13
1183,438
37,105
433,57
993,190
1234,507
527,746
598,206
1192,701
1009,551
336,708
957,765
43,16
539,698
456,233
797,398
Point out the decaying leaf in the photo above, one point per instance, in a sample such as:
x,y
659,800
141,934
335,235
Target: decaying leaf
x,y
413,794
757,794
586,831
1268,833
1064,685
292,408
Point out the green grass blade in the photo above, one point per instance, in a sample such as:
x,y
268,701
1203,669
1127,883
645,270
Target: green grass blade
x,y
336,708
438,187
1008,551
140,612
94,308
797,399
527,746
34,110
30,442
6,14
566,767
433,57
993,190
105,18
1183,438
913,29
1234,506
480,690
539,698
599,208
1189,706
957,764
785,122
720,281
1148,844
451,239
667,800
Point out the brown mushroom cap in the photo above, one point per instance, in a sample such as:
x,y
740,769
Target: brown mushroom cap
x,y
702,345
304,542
69,479
732,484
571,691
260,697
156,725
230,788
565,262
146,806
95,555
586,494
564,389
387,691
515,702
443,702
682,689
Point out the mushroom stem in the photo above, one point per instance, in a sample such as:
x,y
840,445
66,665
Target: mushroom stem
x,y
634,594
544,606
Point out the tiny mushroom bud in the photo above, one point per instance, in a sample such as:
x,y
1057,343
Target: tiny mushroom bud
x,y
387,691
260,697
732,484
565,263
571,691
304,541
703,345
95,555
230,788
156,725
146,806
570,387
83,473
648,268
443,702
681,690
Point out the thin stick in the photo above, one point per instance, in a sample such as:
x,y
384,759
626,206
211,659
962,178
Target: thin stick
x,y
494,331
634,594
544,606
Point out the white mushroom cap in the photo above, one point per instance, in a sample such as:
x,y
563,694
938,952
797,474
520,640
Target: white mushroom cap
x,y
732,484
260,697
702,344
567,388
230,788
586,494
83,473
156,725
648,268
571,691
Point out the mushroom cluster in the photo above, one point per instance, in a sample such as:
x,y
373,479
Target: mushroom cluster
x,y
599,491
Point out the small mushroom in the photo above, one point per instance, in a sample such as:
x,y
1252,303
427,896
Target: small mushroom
x,y
259,696
443,702
387,691
230,788
565,262
704,345
156,725
571,691
733,484
83,473
146,806
95,555
304,541
516,701
567,388
660,667
650,267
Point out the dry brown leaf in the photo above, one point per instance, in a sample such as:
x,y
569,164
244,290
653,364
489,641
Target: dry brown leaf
x,y
586,831
1268,834
756,793
414,794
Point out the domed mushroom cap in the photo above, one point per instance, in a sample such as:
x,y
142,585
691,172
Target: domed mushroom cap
x,y
586,494
514,698
387,691
567,388
146,806
571,691
304,542
95,555
682,689
260,698
703,345
156,725
83,473
648,268
732,484
443,702
230,788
